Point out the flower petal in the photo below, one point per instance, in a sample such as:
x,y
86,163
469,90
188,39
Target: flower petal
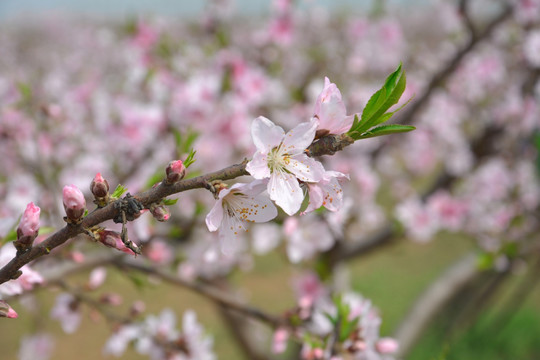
x,y
258,166
252,208
215,216
266,135
316,197
299,138
305,168
286,192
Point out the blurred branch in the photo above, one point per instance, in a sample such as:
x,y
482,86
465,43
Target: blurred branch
x,y
441,291
217,296
463,10
409,113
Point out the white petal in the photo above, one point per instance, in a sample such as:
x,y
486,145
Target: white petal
x,y
333,195
258,166
215,216
286,192
253,208
253,188
266,135
316,197
230,236
305,168
299,138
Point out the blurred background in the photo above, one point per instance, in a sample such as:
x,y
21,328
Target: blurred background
x,y
440,223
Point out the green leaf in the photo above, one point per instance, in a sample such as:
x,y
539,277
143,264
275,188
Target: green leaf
x,y
485,261
387,96
190,158
10,236
169,202
347,328
119,191
44,230
25,90
383,130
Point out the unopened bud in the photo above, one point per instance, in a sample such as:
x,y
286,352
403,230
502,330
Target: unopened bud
x,y
113,239
74,203
175,171
387,345
160,212
99,187
28,228
7,311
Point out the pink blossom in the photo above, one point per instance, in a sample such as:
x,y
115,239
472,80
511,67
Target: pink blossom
x,y
97,277
330,110
159,252
26,281
451,212
531,48
281,158
66,310
420,223
36,347
235,206
386,345
279,343
29,224
326,192
74,202
310,237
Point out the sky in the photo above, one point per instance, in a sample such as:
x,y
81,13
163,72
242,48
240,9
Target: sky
x,y
121,8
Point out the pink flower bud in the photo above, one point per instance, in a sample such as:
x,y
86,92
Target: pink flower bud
x,y
29,224
99,186
112,239
387,345
74,202
28,228
175,171
7,311
160,212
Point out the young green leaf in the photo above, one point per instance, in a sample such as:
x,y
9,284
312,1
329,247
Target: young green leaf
x,y
190,158
383,130
388,95
169,202
119,191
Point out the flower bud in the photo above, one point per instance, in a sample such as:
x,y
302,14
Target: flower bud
x,y
74,203
160,212
112,239
7,311
99,187
175,171
28,228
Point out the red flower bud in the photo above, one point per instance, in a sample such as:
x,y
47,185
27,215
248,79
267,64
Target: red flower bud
x,y
74,202
175,171
99,186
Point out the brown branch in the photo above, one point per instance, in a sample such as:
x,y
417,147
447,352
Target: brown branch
x,y
323,146
217,296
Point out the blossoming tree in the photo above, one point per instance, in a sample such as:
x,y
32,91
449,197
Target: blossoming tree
x,y
150,122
